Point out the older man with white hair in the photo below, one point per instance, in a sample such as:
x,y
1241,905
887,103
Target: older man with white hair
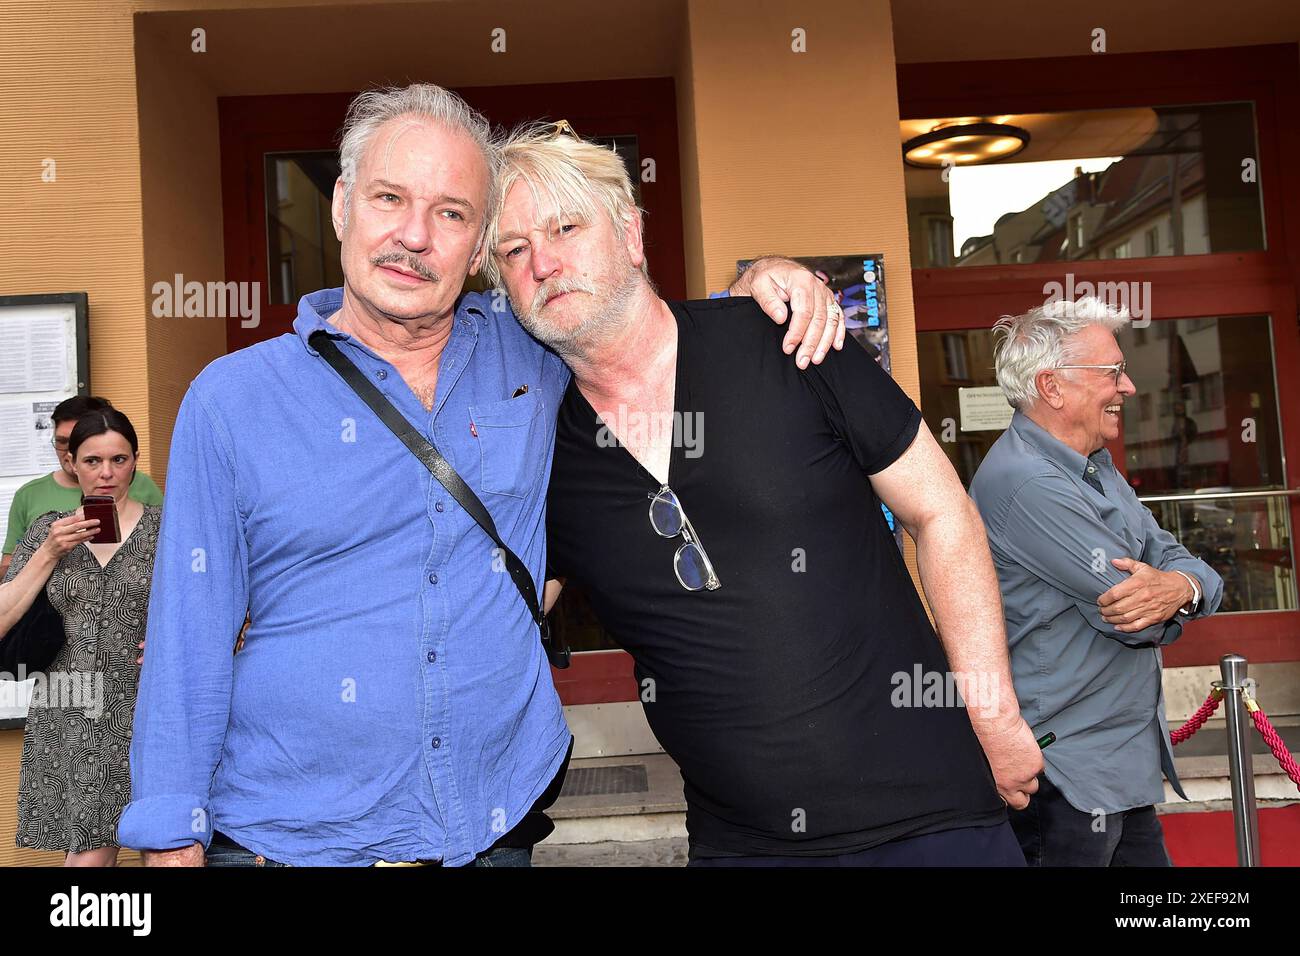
x,y
1091,589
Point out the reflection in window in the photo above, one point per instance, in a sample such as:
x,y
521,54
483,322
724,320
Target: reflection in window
x,y
941,355
1217,429
938,230
1204,420
1152,244
954,355
302,252
629,150
1246,540
1162,181
1211,376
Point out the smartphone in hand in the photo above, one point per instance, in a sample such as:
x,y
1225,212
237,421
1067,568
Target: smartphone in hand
x,y
105,509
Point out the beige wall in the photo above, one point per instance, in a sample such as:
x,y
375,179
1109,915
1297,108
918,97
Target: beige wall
x,y
68,94
795,153
180,191
798,152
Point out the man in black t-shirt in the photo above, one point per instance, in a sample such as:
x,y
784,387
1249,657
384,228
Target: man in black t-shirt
x,y
722,507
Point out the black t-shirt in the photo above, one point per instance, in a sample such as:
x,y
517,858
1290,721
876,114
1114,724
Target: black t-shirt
x,y
772,693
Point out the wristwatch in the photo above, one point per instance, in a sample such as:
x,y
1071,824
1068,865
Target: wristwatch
x,y
1191,606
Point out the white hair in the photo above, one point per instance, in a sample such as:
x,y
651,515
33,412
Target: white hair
x,y
1039,339
421,101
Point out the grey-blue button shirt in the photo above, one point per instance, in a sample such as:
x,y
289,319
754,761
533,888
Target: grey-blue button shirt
x,y
1053,535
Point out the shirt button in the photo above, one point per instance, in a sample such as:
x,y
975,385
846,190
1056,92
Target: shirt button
x,y
433,579
437,742
381,374
437,506
433,656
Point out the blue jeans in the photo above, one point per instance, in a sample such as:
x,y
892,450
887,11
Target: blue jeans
x,y
226,854
1054,833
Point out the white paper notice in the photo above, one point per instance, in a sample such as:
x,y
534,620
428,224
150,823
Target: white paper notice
x,y
48,355
25,435
34,355
984,409
15,443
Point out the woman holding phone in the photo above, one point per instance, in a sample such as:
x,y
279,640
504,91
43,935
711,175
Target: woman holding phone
x,y
75,778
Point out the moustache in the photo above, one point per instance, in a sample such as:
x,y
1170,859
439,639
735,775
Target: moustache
x,y
410,262
556,287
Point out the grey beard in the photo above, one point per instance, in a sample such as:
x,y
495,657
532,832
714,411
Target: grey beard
x,y
593,334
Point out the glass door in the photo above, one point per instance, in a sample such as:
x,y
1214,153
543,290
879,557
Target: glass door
x,y
1159,185
1201,443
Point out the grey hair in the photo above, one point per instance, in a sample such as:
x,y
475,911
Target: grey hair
x,y
1037,340
425,101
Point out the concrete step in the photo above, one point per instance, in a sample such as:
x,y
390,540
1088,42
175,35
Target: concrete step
x,y
664,852
619,800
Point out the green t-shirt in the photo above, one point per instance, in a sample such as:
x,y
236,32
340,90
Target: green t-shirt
x,y
45,494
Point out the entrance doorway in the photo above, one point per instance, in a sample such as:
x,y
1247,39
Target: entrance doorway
x,y
279,162
1147,183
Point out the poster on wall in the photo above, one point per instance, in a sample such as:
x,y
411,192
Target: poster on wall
x,y
44,358
858,283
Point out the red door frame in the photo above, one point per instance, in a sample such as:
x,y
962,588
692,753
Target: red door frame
x,y
1182,287
251,126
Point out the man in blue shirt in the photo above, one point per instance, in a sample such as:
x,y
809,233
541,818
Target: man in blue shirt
x,y
1091,589
391,702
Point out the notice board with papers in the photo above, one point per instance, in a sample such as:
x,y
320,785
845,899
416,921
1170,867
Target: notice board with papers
x,y
44,358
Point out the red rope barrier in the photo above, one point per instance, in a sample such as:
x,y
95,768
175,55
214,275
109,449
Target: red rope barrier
x,y
1198,719
1274,742
1262,724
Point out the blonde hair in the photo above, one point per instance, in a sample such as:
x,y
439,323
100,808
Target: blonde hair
x,y
567,176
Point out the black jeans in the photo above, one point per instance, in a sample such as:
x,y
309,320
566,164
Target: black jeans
x,y
965,846
1054,833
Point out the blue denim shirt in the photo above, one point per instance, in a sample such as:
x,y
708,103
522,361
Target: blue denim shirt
x,y
1098,689
392,699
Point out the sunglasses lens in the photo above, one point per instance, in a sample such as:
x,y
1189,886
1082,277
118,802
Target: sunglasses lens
x,y
691,569
666,514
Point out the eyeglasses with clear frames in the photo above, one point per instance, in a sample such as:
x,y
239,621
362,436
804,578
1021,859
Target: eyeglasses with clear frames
x,y
692,566
1118,369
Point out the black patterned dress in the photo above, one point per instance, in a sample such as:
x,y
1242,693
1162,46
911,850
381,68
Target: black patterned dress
x,y
75,779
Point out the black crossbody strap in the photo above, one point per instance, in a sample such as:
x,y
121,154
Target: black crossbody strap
x,y
446,475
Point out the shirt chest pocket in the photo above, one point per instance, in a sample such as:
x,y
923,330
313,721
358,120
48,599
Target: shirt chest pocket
x,y
512,443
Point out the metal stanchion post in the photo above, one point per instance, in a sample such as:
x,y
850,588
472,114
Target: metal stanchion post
x,y
1241,773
